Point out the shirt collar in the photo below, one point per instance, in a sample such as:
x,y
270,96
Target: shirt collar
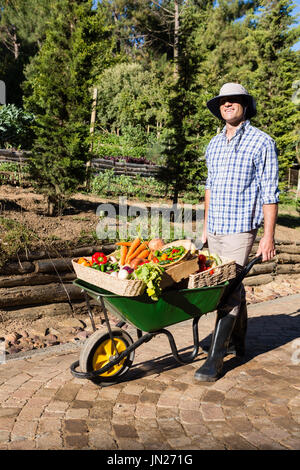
x,y
240,129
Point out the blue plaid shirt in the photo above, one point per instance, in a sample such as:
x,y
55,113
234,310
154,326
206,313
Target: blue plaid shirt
x,y
242,176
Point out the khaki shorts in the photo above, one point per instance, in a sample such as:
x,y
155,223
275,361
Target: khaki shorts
x,y
235,246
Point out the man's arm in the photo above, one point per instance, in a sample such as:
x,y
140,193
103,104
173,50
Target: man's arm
x,y
266,246
206,204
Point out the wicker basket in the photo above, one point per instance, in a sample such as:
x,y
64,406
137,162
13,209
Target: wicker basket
x,y
214,276
124,287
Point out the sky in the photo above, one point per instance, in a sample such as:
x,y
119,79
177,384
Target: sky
x,y
297,12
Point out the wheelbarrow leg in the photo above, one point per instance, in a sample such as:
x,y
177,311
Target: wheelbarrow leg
x,y
108,325
89,310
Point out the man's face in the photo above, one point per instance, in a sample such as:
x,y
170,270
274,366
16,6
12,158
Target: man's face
x,y
232,109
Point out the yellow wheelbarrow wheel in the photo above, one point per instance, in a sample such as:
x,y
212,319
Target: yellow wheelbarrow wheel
x,y
99,350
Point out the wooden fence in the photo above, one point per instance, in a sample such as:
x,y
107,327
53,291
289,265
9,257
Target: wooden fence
x,y
120,167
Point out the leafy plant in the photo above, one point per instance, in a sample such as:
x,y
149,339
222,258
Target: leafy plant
x,y
16,127
151,274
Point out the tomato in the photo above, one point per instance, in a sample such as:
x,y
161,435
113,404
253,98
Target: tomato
x,y
202,259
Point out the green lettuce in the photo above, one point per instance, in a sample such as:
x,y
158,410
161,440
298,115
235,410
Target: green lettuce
x,y
151,274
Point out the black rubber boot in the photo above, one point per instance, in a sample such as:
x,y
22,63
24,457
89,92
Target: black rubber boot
x,y
236,345
211,370
238,336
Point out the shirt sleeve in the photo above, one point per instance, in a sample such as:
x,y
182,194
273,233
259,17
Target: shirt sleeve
x,y
266,163
209,176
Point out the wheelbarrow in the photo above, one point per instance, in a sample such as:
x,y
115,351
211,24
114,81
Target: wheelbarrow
x,y
105,358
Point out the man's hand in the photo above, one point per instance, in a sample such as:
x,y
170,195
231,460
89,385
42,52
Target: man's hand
x,y
266,248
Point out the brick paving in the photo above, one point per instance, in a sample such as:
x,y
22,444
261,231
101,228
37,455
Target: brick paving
x,y
159,406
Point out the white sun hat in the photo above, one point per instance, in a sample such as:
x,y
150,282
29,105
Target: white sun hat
x,y
232,89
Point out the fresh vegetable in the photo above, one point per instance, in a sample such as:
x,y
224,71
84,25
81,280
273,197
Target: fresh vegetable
x,y
156,244
141,248
125,272
99,258
123,243
143,254
135,263
207,261
84,261
151,274
133,247
202,259
124,251
168,255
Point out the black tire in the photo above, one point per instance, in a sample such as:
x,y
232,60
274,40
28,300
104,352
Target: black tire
x,y
95,354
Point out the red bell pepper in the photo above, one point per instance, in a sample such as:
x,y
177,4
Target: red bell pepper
x,y
99,258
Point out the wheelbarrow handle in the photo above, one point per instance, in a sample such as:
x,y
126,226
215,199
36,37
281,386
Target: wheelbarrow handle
x,y
249,266
239,278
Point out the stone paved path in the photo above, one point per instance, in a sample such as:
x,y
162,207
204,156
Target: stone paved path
x,y
255,405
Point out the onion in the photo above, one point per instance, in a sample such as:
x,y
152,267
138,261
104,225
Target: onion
x,y
125,272
156,244
128,269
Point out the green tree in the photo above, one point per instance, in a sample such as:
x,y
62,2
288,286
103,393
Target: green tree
x,y
130,94
58,92
181,152
23,26
274,68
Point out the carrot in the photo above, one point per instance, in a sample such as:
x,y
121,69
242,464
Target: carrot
x,y
150,256
144,254
123,243
124,250
132,248
139,249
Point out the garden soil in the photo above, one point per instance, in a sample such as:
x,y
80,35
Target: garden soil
x,y
76,225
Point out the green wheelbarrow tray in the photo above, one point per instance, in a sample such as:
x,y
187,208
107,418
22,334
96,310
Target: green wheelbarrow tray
x,y
150,318
149,315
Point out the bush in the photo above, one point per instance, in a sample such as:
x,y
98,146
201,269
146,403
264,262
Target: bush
x,y
15,127
134,146
107,183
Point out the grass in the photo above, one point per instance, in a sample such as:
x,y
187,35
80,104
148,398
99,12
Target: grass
x,y
289,209
14,237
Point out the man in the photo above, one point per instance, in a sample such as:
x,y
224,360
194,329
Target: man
x,y
241,190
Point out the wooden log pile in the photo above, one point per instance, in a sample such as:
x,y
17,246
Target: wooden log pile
x,y
37,278
286,262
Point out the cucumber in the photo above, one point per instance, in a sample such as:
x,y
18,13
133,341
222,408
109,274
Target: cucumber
x,y
218,260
